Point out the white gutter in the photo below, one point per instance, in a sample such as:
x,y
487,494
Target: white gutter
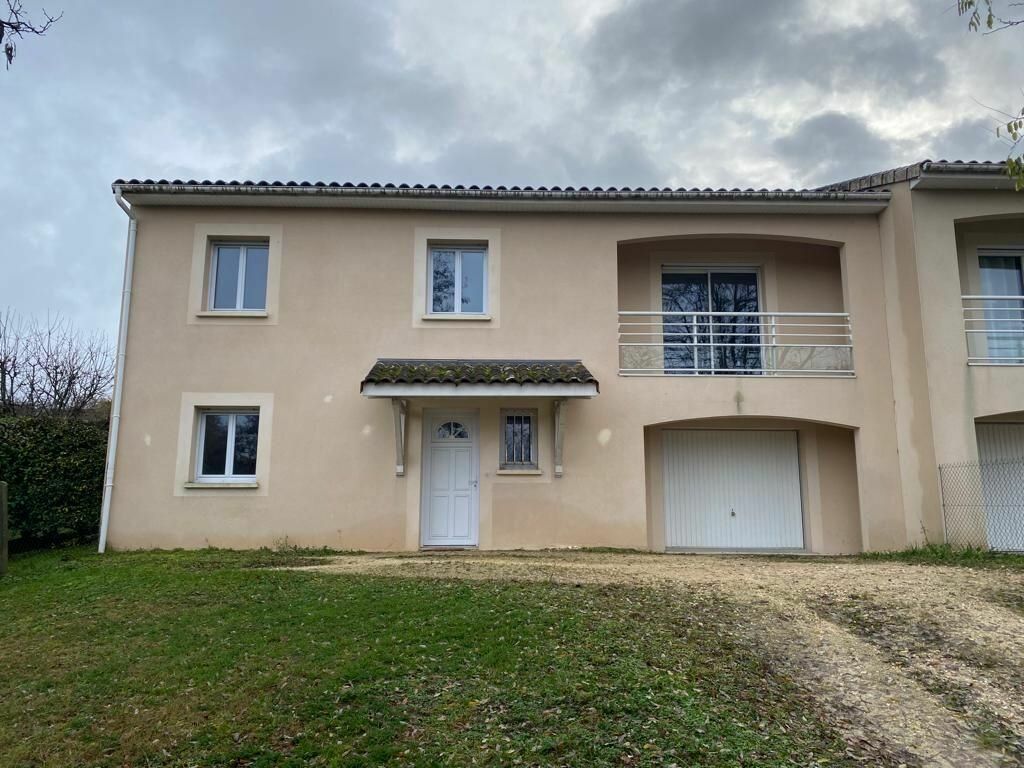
x,y
720,205
122,339
502,199
950,180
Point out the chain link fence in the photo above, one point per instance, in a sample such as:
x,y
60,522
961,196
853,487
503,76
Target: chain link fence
x,y
983,504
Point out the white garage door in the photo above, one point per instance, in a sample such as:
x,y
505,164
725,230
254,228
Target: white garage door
x,y
1001,451
732,489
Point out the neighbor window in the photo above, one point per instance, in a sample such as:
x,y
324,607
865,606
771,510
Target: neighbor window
x,y
226,449
238,276
1002,280
457,280
519,439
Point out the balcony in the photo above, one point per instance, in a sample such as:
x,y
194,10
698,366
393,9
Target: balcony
x,y
994,327
795,344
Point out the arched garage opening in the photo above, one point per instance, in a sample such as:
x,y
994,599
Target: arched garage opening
x,y
752,484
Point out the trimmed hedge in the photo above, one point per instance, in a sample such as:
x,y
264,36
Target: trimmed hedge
x,y
54,470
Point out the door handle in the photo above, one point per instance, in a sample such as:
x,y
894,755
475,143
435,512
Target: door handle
x,y
732,512
475,483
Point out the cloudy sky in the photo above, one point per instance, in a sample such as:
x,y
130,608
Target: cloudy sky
x,y
691,93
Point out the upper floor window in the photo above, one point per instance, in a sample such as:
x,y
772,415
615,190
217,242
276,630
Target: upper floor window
x,y
457,280
238,276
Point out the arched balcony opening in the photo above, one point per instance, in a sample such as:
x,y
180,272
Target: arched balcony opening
x,y
732,305
990,259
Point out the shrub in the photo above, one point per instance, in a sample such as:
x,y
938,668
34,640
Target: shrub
x,y
54,470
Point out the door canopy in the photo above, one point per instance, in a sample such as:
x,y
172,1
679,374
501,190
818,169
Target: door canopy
x,y
479,378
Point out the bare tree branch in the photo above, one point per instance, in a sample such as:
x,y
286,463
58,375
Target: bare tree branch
x,y
1011,127
51,368
18,24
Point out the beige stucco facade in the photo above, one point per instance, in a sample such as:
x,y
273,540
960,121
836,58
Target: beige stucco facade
x,y
346,286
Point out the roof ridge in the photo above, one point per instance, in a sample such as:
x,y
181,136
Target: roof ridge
x,y
855,184
879,179
262,183
483,193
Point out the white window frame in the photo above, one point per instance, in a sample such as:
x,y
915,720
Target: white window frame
x,y
503,462
240,287
229,459
457,303
994,325
708,270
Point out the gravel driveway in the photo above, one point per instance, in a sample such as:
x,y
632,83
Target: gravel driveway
x,y
924,664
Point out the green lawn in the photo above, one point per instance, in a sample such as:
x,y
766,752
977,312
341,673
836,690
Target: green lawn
x,y
209,658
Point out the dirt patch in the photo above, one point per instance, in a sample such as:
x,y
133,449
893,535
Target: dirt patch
x,y
921,661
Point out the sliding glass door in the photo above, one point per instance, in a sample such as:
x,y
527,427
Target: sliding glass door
x,y
712,327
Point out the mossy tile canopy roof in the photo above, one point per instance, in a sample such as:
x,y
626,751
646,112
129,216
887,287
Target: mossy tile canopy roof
x,y
415,371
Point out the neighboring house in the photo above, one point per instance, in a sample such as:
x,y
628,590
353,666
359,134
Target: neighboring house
x,y
391,367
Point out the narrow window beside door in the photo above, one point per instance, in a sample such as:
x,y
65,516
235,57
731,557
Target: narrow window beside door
x,y
238,277
519,439
457,281
226,446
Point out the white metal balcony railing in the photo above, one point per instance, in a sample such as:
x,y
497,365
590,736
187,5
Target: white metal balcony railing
x,y
994,327
732,343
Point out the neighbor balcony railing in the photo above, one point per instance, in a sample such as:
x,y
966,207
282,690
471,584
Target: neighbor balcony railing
x,y
994,326
732,343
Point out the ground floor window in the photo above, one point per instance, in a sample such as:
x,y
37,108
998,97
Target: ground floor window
x,y
519,439
226,445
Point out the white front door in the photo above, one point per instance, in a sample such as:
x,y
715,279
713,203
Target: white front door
x,y
732,489
450,505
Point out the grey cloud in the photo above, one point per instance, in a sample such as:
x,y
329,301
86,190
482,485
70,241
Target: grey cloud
x,y
652,44
86,111
970,139
658,46
619,160
832,147
335,67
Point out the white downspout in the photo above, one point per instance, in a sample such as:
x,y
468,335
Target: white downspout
x,y
122,339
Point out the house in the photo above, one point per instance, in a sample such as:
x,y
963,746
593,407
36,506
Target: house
x,y
391,367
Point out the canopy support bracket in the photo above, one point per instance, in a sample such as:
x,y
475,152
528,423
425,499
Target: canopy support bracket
x,y
400,408
559,408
